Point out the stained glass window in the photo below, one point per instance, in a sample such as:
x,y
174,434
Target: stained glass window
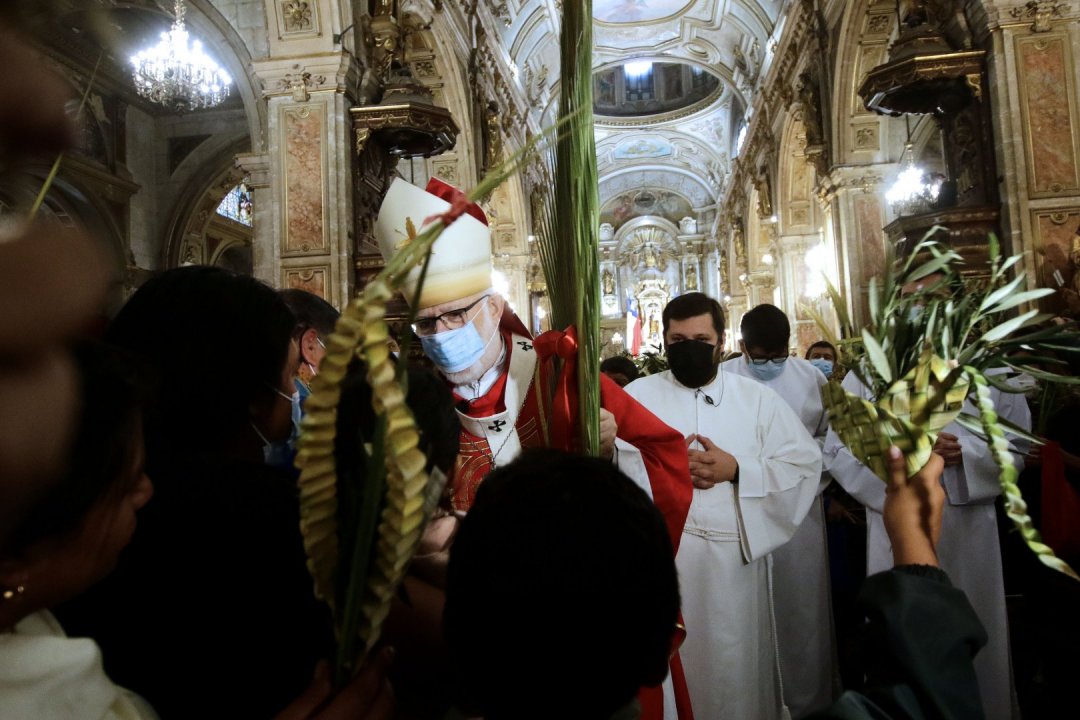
x,y
236,205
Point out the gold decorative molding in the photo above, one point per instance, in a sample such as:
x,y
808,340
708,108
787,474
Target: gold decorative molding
x,y
297,18
395,121
916,84
314,279
1042,13
300,84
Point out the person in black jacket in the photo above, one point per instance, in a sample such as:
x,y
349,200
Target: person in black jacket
x,y
921,633
210,611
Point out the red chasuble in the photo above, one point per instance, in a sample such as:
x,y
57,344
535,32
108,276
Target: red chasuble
x,y
513,416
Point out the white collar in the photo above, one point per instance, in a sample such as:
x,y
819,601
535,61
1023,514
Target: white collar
x,y
475,390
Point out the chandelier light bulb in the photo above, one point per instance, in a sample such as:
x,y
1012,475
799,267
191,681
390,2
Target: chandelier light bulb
x,y
912,192
177,72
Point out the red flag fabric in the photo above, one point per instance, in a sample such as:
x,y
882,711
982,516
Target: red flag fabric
x,y
1060,504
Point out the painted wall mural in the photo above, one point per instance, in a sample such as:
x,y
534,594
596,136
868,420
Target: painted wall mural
x,y
642,148
646,201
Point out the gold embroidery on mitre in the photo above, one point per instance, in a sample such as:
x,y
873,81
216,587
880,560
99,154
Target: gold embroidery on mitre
x,y
410,234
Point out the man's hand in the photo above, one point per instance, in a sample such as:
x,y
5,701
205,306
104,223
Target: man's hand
x,y
608,430
711,465
913,508
948,447
368,696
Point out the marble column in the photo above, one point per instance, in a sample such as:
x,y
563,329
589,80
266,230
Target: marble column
x,y
715,286
304,229
1034,86
855,199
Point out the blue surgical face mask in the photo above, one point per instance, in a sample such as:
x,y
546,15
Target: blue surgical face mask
x,y
458,349
769,370
825,366
281,454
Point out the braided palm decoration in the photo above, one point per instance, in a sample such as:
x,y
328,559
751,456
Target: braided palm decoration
x,y
931,342
360,540
908,415
1015,507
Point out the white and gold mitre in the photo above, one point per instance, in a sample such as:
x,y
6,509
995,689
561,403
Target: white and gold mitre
x,y
461,257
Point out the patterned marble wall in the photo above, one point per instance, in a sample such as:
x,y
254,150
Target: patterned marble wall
x,y
311,279
1047,98
304,163
871,240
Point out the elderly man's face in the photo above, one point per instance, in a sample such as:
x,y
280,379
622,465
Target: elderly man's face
x,y
484,311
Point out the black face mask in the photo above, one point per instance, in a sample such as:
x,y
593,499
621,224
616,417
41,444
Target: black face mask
x,y
692,362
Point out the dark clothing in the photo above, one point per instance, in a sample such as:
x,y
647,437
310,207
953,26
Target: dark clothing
x,y
921,637
210,612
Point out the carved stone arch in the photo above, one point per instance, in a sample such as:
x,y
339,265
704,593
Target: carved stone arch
x,y
236,58
196,206
858,135
631,226
452,91
79,197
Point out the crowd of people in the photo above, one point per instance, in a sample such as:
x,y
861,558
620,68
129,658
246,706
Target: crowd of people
x,y
151,561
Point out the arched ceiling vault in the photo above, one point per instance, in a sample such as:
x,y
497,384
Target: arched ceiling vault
x,y
688,150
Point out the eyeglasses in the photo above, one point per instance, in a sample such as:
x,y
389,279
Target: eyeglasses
x,y
451,319
777,360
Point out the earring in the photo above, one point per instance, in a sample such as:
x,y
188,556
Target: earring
x,y
12,594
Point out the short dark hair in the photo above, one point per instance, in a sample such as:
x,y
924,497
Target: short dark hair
x,y
431,403
310,311
102,450
691,305
818,344
562,595
766,327
214,342
620,364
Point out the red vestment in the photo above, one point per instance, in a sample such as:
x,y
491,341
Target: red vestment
x,y
493,434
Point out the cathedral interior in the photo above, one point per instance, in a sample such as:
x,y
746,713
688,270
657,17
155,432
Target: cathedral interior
x,y
754,150
757,151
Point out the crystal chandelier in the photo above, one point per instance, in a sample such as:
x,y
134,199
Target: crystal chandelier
x,y
913,192
178,74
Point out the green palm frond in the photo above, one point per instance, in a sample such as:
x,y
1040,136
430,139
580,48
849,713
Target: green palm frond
x,y
935,339
568,236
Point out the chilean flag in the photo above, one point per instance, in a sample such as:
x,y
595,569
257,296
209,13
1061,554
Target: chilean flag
x,y
633,328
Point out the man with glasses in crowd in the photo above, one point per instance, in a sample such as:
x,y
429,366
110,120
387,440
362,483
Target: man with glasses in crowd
x,y
800,570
